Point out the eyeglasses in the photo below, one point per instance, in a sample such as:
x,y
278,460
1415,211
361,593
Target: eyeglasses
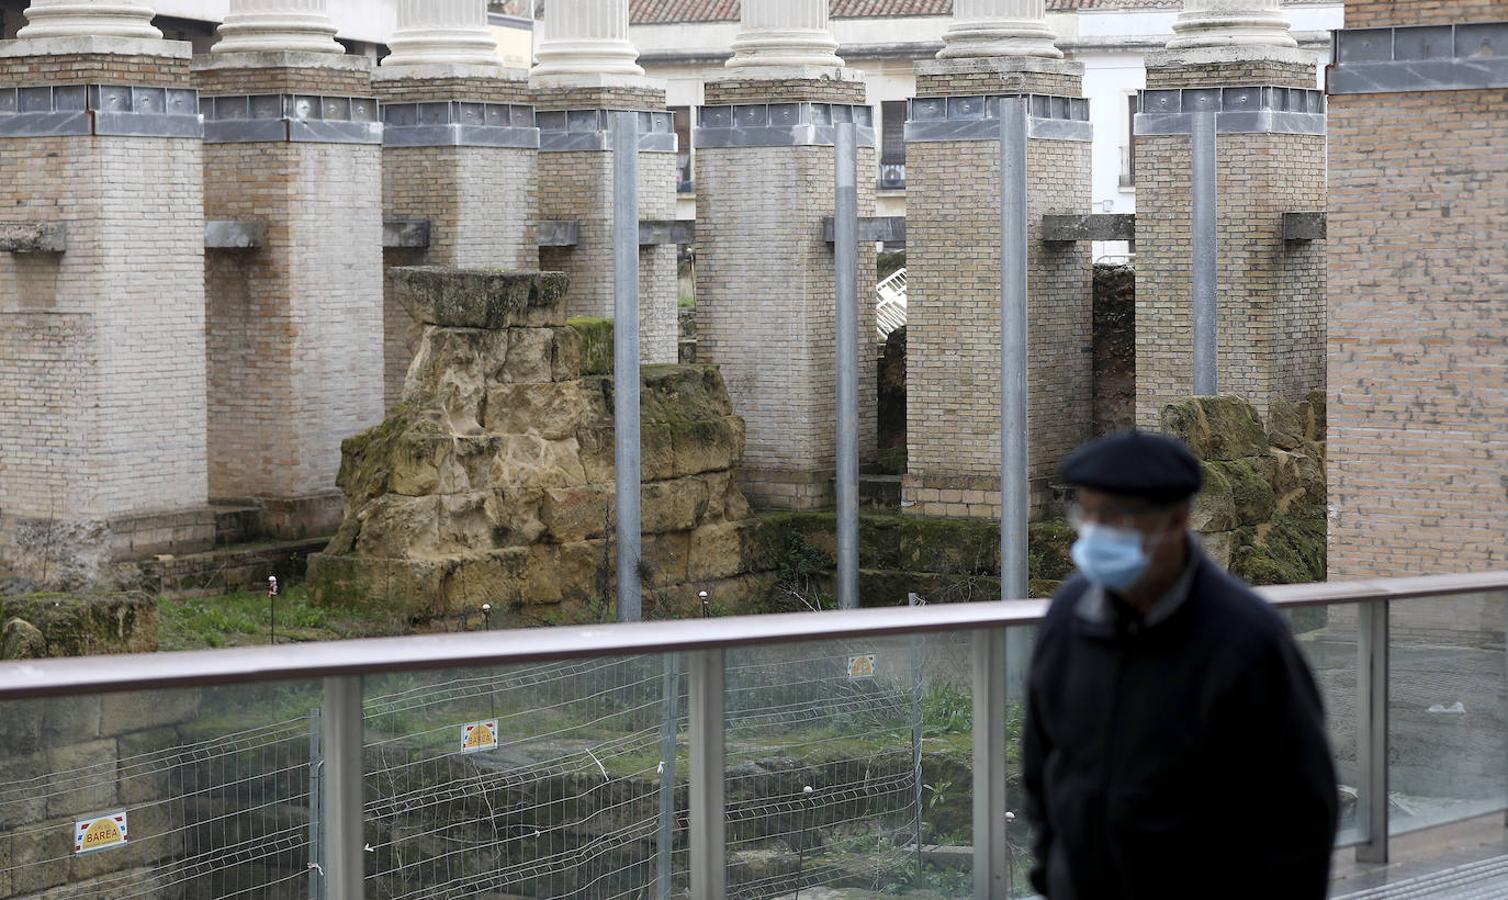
x,y
1113,516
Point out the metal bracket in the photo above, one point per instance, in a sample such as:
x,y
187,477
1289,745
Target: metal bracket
x,y
405,234
872,229
230,235
33,237
1304,226
1259,109
1092,227
1470,56
652,233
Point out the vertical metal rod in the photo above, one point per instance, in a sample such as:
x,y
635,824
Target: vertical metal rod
x,y
669,726
343,837
991,858
316,815
708,820
1203,220
918,654
1372,731
845,261
1014,492
626,357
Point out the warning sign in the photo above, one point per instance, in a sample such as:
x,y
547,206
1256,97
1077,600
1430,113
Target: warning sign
x,y
100,832
479,736
861,666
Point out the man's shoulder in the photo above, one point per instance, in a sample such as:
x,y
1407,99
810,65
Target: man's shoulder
x,y
1235,607
1066,599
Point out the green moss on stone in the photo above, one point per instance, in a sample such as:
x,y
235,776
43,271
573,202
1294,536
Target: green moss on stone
x,y
596,344
1290,551
1217,428
1251,497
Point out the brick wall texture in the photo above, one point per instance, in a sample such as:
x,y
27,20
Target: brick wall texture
x,y
296,331
765,312
953,327
158,71
732,91
1271,330
1418,322
579,186
1375,13
479,201
339,82
102,384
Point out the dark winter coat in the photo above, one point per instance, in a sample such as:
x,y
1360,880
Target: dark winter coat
x,y
1182,755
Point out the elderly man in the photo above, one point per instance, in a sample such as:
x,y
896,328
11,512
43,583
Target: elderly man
x,y
1175,742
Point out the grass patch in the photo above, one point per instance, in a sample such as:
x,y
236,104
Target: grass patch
x,y
243,619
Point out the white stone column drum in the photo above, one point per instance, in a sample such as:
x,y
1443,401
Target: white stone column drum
x,y
442,32
1231,23
784,34
89,18
587,37
262,26
984,28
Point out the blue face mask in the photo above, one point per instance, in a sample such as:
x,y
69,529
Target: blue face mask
x,y
1113,558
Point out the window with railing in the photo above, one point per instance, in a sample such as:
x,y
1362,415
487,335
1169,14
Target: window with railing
x,y
893,145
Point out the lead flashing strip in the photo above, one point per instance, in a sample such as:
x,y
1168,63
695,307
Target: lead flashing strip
x,y
291,118
459,123
589,130
1419,58
802,124
100,109
977,118
1261,109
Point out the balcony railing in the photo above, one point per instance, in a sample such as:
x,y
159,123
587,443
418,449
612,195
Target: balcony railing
x,y
748,756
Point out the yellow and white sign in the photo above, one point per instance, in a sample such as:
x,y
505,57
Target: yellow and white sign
x,y
861,666
100,832
477,736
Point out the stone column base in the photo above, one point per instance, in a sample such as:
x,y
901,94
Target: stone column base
x,y
967,496
79,552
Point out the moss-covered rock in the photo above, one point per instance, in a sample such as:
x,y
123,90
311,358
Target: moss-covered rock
x,y
22,640
90,625
481,298
1289,550
1252,501
1217,428
596,344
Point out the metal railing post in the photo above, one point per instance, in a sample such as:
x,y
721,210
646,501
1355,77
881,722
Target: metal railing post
x,y
665,837
991,856
1015,485
1372,730
316,806
845,261
708,819
344,839
626,358
1205,239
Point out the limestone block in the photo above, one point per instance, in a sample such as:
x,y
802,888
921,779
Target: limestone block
x,y
596,452
553,410
657,459
146,784
25,806
683,393
5,866
534,461
671,505
68,720
1251,500
666,557
22,733
482,298
566,365
22,640
395,526
32,849
81,778
1299,483
142,710
721,550
586,569
708,445
1215,505
531,356
577,513
1217,428
89,625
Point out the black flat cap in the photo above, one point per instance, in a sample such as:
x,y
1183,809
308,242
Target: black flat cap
x,y
1136,464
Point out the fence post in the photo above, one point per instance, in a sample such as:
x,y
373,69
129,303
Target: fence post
x,y
665,839
918,654
1204,225
845,261
708,815
1372,730
316,807
343,840
626,357
991,857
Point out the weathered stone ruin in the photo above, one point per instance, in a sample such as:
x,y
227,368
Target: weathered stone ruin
x,y
492,480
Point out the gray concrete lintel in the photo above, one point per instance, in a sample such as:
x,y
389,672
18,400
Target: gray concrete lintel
x,y
234,235
405,234
1090,227
1304,226
33,237
872,229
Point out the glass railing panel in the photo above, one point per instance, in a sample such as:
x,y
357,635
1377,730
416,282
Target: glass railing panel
x,y
823,746
539,780
1327,636
149,794
1446,710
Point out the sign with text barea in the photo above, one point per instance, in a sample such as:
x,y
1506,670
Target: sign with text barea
x,y
100,832
479,736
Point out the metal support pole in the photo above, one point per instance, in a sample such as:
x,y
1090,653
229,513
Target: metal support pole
x,y
707,816
845,260
626,357
669,726
1014,492
343,837
316,814
991,858
1205,240
918,658
1372,731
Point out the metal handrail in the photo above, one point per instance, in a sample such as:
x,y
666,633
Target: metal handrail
x,y
199,668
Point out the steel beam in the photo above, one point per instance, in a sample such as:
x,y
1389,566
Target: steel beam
x,y
626,461
846,273
1204,221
